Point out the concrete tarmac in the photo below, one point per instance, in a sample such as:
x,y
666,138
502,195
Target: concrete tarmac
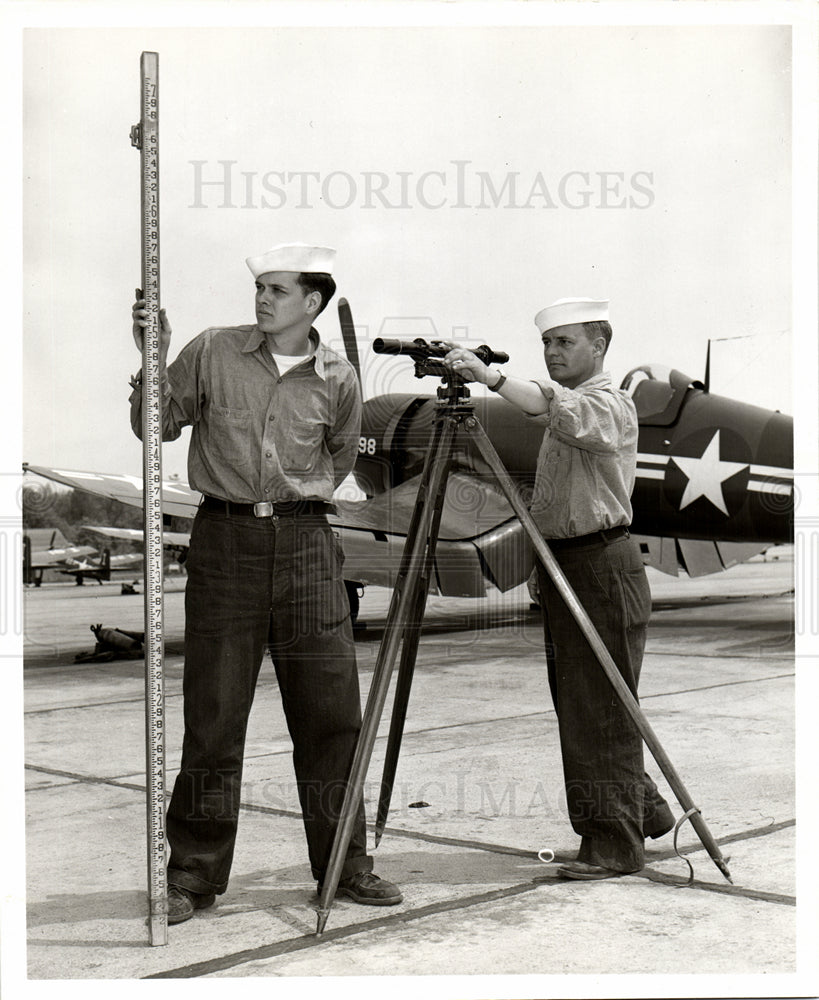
x,y
478,794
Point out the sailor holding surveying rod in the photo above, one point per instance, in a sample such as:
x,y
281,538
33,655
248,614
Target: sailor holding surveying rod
x,y
275,417
581,504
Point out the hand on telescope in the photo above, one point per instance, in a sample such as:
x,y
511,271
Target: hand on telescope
x,y
467,366
524,394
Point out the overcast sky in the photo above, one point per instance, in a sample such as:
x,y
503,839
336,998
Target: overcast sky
x,y
467,175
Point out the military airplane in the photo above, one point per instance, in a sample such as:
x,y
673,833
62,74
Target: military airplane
x,y
176,543
47,548
714,484
80,562
83,562
89,569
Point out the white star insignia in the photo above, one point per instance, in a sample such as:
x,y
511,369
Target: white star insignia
x,y
706,475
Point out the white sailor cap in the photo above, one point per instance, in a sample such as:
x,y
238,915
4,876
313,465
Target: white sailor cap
x,y
293,257
566,311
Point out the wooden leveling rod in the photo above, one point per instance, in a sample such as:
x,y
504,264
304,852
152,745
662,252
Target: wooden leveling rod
x,y
145,136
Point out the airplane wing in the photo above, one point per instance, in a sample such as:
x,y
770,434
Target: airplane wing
x,y
178,539
480,540
178,498
56,558
698,557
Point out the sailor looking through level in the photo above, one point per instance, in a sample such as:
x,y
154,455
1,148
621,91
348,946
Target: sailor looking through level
x,y
275,417
583,481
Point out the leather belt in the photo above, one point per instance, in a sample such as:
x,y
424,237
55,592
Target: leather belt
x,y
267,508
605,537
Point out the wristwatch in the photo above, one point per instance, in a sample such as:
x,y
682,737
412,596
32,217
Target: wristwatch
x,y
498,384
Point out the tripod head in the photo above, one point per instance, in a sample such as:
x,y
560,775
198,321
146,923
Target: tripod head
x,y
424,354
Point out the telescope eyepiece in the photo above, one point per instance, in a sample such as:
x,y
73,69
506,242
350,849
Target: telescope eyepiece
x,y
490,357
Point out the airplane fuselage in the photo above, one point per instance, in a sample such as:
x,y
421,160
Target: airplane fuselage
x,y
707,466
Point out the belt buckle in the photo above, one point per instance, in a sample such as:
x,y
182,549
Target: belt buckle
x,y
263,509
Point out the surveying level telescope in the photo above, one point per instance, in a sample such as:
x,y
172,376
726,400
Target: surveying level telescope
x,y
145,136
420,350
426,355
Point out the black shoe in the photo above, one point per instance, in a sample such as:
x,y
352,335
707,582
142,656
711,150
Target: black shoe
x,y
369,889
583,872
183,902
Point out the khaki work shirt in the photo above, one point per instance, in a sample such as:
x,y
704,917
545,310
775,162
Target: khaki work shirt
x,y
588,458
259,435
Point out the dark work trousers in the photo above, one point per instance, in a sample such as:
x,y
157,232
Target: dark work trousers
x,y
613,804
254,581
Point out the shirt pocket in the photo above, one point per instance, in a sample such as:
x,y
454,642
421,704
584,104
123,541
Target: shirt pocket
x,y
300,434
300,450
231,434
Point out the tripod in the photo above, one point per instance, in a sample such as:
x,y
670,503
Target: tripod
x,y
456,415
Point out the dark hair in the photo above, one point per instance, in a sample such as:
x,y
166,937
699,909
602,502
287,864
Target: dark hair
x,y
599,328
318,281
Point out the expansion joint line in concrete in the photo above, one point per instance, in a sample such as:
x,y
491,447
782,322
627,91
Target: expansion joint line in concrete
x,y
291,945
460,725
306,941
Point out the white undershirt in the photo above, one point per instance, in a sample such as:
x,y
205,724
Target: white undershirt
x,y
284,362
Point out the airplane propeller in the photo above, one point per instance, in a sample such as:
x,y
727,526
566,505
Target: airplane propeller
x,y
345,318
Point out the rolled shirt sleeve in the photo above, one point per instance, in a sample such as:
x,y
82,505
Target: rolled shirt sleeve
x,y
594,419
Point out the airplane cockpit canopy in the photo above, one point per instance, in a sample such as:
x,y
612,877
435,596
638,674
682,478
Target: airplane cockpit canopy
x,y
658,392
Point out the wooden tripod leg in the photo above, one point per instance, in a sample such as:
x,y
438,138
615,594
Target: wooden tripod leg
x,y
577,610
409,653
413,562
